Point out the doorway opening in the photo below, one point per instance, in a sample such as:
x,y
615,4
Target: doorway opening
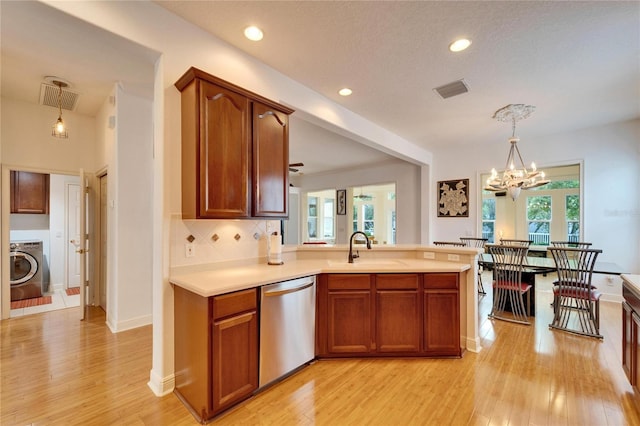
x,y
44,236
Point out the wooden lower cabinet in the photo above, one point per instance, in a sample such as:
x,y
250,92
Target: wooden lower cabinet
x,y
216,350
631,344
442,314
388,315
398,313
629,339
631,332
235,348
349,316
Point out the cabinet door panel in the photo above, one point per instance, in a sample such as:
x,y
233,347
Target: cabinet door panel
x,y
398,321
349,322
627,341
442,322
635,349
235,359
270,162
224,153
29,192
438,280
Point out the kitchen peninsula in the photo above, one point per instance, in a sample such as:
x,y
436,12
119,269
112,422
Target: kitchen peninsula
x,y
392,301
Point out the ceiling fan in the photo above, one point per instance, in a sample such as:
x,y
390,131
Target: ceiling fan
x,y
363,197
293,168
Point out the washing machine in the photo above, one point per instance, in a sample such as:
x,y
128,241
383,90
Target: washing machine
x,y
25,268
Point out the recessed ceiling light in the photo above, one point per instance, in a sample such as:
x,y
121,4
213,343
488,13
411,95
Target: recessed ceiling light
x,y
459,45
345,91
253,33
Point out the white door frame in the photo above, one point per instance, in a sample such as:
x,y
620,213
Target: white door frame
x,y
5,208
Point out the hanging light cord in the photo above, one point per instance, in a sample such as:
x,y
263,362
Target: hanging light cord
x,y
59,100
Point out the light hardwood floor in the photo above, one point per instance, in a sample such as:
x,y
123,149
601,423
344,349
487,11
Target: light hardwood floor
x,y
56,370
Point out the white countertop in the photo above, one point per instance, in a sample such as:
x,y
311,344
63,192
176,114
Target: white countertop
x,y
224,280
633,280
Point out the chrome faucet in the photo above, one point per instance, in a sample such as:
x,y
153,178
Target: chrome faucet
x,y
354,256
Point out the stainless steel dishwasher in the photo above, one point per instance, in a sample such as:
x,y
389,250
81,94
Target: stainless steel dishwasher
x,y
287,327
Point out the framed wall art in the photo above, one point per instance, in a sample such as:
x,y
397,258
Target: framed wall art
x,y
341,206
453,198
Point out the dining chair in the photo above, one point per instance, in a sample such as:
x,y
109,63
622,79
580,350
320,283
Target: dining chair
x,y
508,288
573,292
449,243
571,255
524,243
477,243
570,244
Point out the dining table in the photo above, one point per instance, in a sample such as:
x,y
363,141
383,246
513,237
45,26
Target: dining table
x,y
544,265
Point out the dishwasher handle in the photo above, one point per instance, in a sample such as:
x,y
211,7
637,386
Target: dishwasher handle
x,y
280,290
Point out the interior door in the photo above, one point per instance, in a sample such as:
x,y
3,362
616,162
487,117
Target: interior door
x,y
82,249
102,262
74,259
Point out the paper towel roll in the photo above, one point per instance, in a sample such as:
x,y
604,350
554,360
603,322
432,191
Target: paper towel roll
x,y
275,250
275,246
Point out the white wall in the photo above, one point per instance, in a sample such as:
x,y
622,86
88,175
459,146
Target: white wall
x,y
408,189
611,158
27,142
131,238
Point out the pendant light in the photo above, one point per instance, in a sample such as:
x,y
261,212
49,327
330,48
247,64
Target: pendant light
x,y
515,176
59,130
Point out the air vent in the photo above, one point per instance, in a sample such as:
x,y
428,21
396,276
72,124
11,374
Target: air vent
x,y
49,97
452,89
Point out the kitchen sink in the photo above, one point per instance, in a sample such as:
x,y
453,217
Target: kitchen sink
x,y
366,262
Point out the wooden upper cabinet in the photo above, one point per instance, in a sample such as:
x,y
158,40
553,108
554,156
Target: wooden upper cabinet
x,y
235,151
223,153
29,192
270,162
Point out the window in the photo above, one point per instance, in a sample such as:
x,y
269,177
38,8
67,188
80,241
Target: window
x,y
312,217
373,211
572,214
368,224
489,219
328,228
539,219
551,212
321,216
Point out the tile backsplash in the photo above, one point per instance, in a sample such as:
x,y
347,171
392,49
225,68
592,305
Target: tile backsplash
x,y
236,240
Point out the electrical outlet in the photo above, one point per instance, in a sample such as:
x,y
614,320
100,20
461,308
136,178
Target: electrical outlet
x,y
189,250
429,255
453,257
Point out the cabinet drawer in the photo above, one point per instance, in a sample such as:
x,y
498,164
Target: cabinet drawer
x,y
441,281
234,303
349,282
397,281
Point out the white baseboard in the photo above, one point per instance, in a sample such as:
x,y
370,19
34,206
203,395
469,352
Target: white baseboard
x,y
161,386
129,324
472,345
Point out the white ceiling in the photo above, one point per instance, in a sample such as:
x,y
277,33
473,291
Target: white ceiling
x,y
578,62
39,41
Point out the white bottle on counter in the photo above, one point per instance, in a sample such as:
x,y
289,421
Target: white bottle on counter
x,y
274,255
